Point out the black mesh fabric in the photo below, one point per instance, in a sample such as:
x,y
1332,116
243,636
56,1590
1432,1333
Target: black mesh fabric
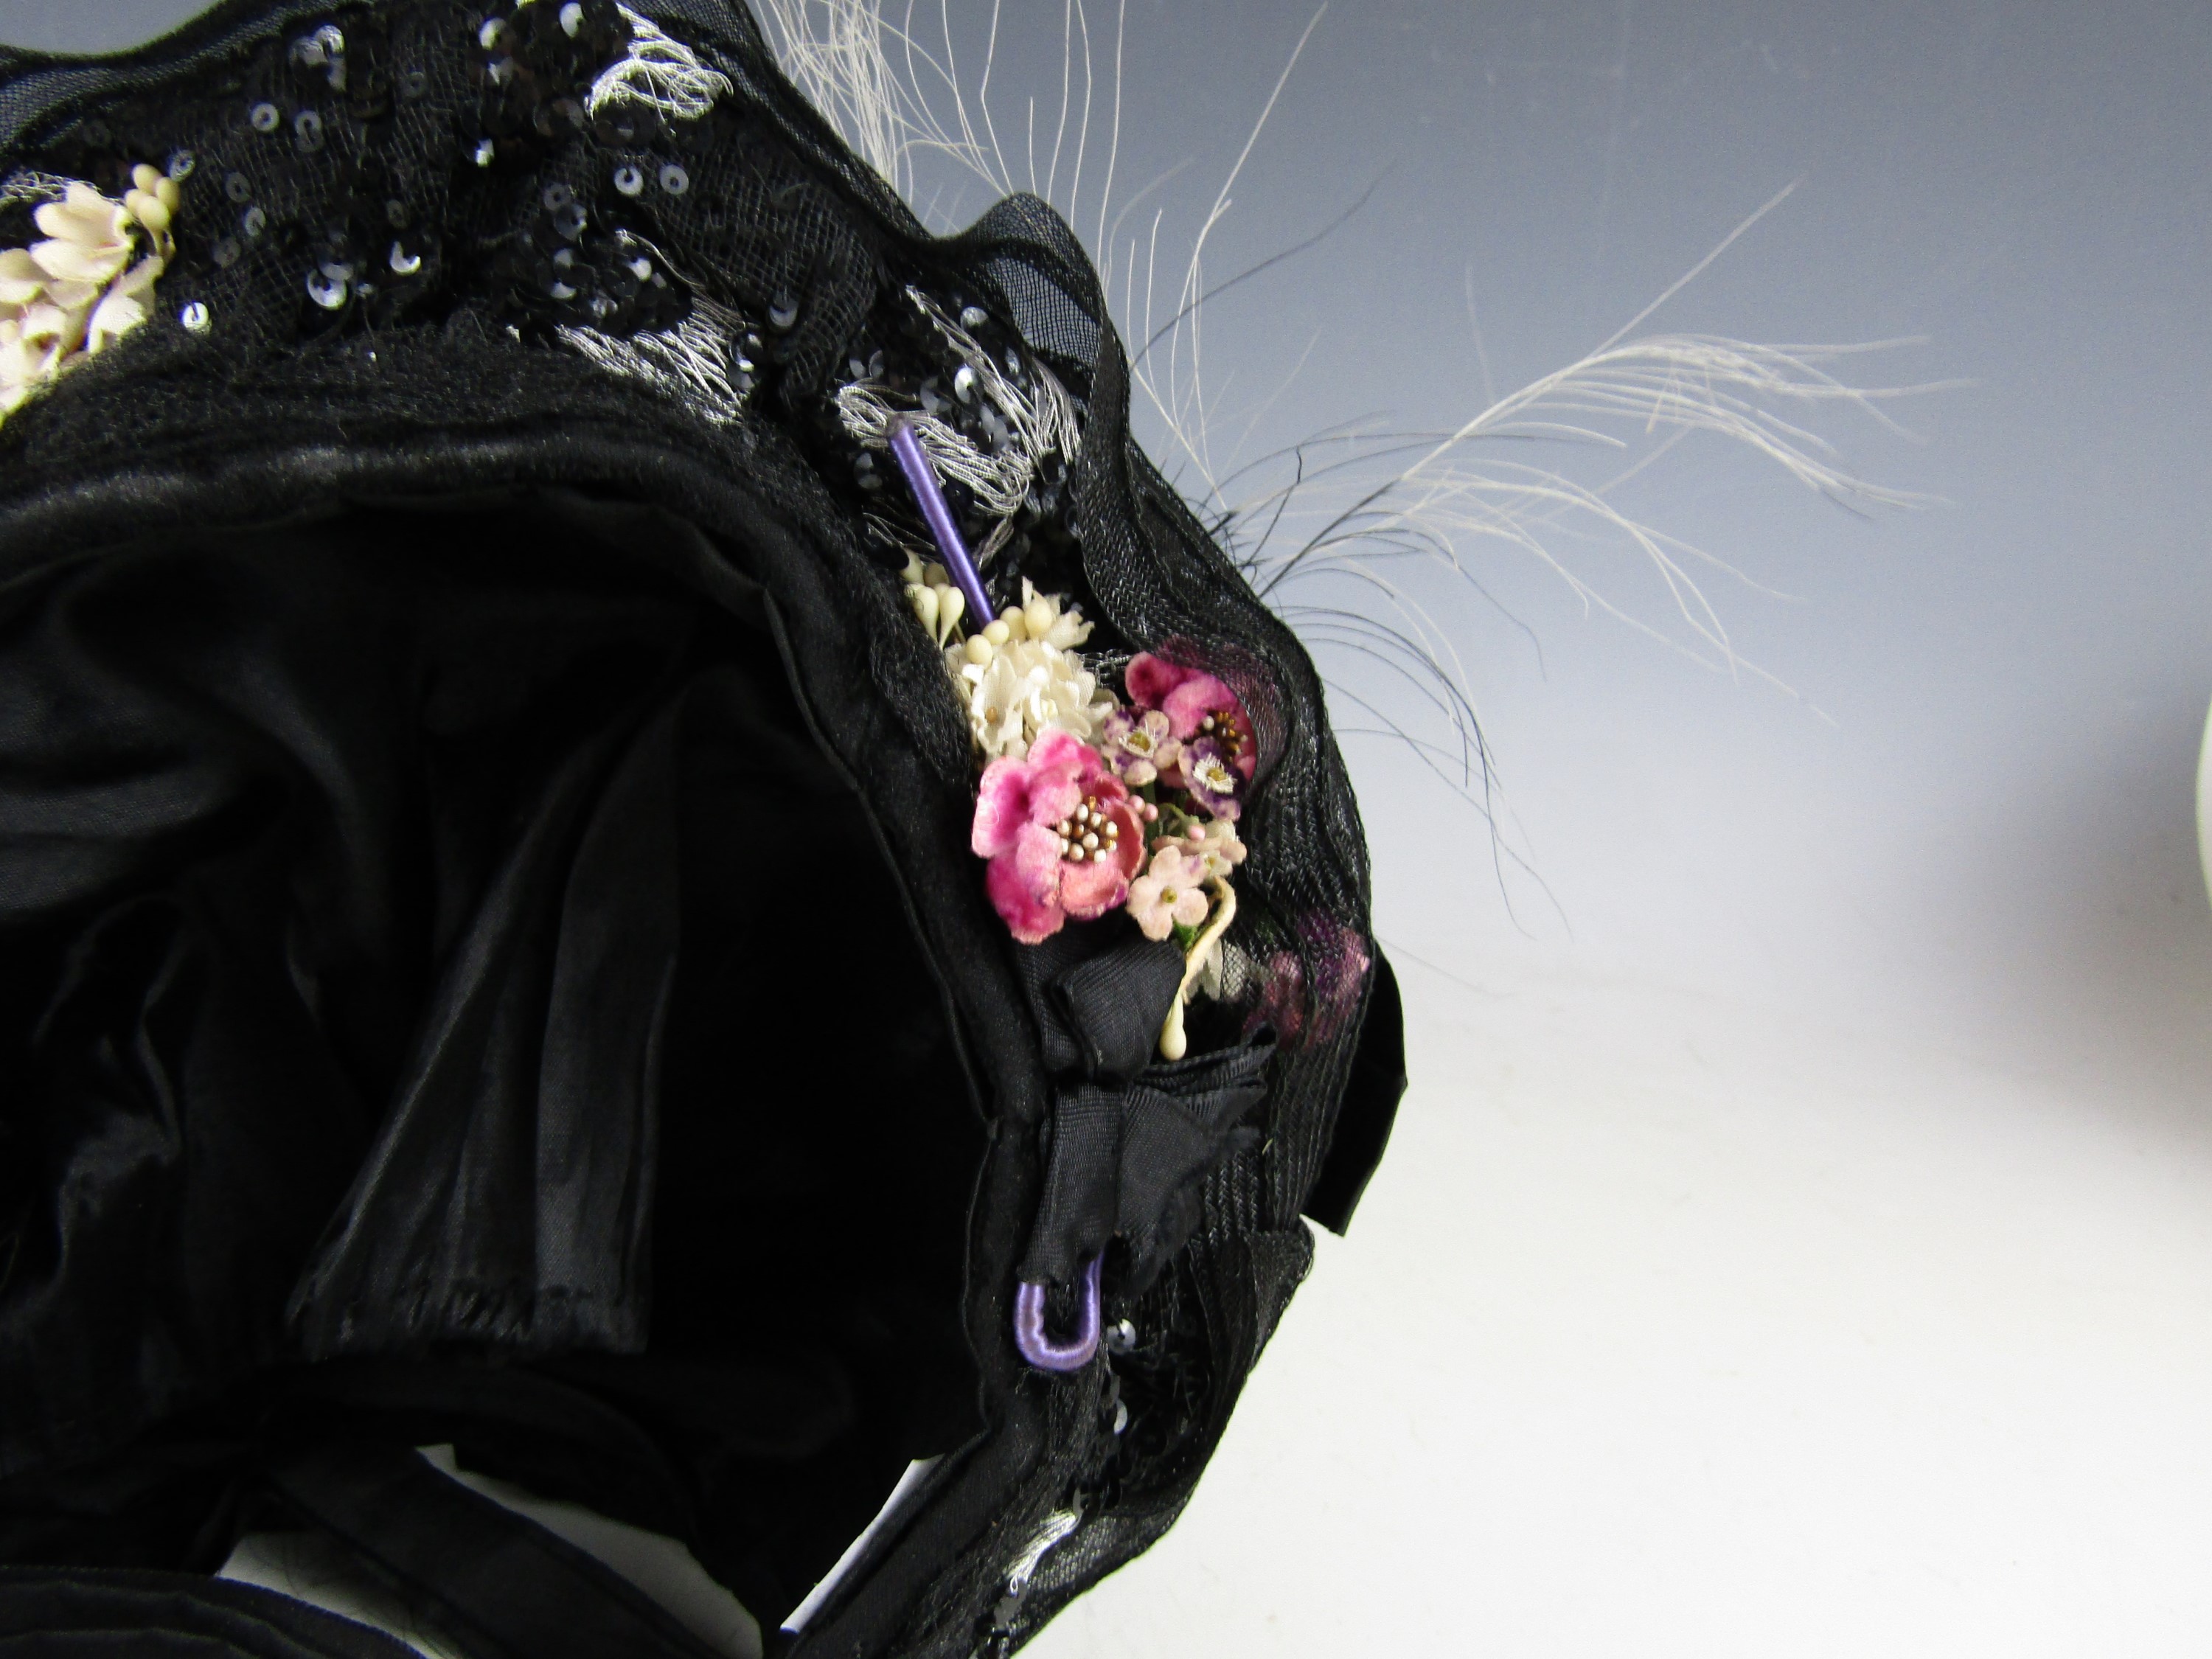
x,y
434,376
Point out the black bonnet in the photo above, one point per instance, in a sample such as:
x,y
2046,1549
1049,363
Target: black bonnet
x,y
490,949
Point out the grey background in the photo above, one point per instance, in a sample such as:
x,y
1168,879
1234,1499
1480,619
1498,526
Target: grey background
x,y
1994,837
1800,1227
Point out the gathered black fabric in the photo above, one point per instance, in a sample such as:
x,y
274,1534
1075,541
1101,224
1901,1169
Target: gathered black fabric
x,y
489,951
75,1611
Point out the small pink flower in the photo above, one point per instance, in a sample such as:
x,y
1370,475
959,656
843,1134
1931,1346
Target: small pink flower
x,y
1211,778
1212,846
1062,834
1140,744
1168,894
1198,707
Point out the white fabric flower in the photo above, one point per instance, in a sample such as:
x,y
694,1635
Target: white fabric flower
x,y
1024,687
89,237
34,343
21,280
123,307
25,362
78,291
1018,674
997,702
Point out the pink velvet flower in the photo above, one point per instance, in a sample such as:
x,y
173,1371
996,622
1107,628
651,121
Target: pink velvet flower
x,y
1062,834
1197,706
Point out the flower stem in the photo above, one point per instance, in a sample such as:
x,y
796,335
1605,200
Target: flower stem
x,y
1174,1043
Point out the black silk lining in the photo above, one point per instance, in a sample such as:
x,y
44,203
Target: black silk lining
x,y
433,932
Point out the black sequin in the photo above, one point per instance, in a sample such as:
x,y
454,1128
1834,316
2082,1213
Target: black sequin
x,y
534,70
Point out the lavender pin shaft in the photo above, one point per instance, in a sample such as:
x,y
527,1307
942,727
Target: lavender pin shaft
x,y
921,478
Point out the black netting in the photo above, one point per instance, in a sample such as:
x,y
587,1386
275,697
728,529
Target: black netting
x,y
391,226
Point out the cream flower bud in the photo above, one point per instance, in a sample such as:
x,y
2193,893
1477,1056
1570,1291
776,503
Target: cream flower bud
x,y
924,601
1045,620
148,210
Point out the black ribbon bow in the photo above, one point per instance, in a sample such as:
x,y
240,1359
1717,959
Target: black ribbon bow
x,y
1132,1138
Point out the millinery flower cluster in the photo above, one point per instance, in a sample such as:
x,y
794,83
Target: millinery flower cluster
x,y
1019,676
1091,802
88,283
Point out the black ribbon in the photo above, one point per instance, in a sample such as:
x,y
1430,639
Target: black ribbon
x,y
1101,991
1132,1141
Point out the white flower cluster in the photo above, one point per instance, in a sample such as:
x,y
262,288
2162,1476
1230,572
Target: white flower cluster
x,y
1019,675
84,287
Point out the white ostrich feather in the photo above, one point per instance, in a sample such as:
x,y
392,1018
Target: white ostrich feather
x,y
1324,530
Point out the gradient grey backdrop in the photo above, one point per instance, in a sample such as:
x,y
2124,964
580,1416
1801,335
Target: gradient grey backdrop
x,y
1973,837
